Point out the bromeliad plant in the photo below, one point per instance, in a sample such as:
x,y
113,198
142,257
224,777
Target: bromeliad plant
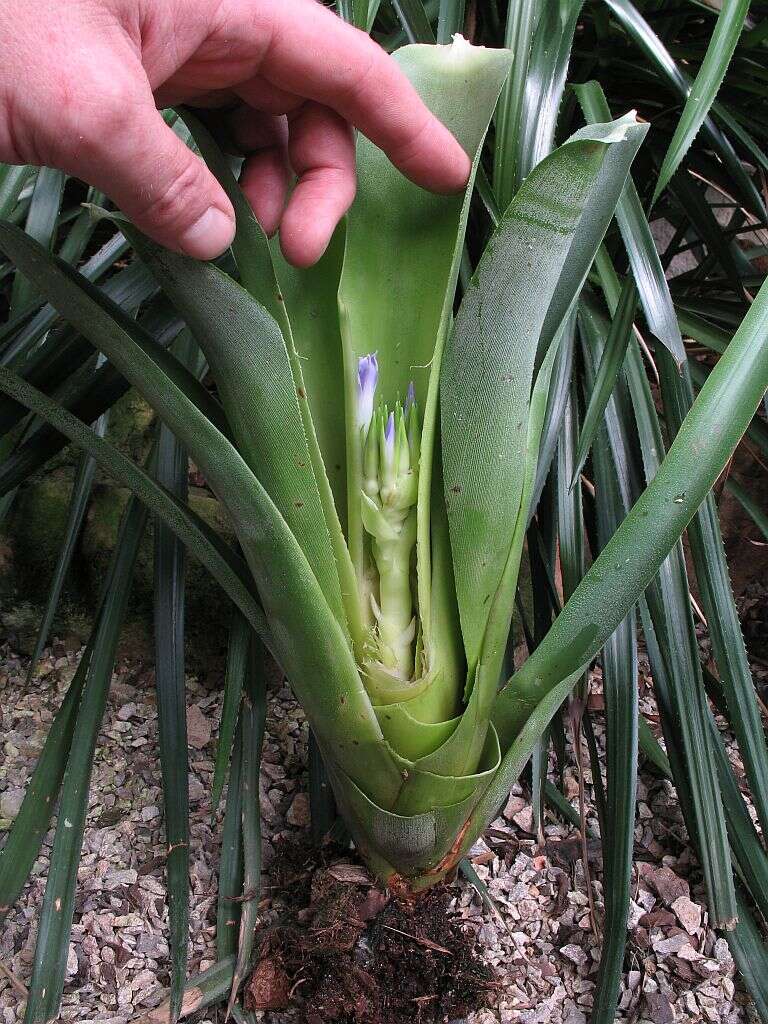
x,y
380,459
378,463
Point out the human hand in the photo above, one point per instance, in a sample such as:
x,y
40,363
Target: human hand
x,y
81,83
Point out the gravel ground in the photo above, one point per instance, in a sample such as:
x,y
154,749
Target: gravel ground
x,y
541,947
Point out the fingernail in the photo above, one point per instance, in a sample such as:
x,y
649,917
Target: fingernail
x,y
209,236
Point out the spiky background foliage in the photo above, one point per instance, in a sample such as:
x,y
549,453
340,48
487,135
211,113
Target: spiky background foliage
x,y
606,427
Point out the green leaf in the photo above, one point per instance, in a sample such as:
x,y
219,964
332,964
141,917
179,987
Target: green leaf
x,y
753,509
254,716
27,833
640,31
41,222
619,662
234,677
200,991
693,463
322,669
545,81
748,950
717,599
488,368
250,362
170,685
55,923
403,247
607,372
78,505
13,178
518,38
303,304
228,905
322,805
450,19
310,297
635,230
227,568
414,20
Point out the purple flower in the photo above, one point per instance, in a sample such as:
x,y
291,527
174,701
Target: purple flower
x,y
410,399
367,376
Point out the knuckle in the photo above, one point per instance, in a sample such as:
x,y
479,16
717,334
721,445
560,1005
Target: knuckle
x,y
178,200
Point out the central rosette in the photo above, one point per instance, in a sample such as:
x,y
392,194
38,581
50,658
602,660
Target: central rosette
x,y
390,443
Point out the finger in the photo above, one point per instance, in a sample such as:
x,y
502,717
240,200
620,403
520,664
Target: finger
x,y
265,174
157,181
264,95
311,52
322,153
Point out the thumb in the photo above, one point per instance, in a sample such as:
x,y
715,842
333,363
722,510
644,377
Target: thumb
x,y
161,185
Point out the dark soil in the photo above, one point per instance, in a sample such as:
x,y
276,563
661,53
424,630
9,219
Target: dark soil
x,y
347,952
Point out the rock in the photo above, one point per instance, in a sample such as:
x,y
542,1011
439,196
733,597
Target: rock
x,y
196,789
524,820
574,953
722,952
687,952
515,804
658,1008
198,728
635,915
10,802
298,812
667,885
688,914
673,944
126,711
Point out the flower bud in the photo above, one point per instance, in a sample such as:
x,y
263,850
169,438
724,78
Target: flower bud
x,y
367,378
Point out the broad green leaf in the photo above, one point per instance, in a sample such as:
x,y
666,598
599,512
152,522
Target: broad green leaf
x,y
321,669
488,368
311,303
403,247
414,843
487,804
249,360
303,304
